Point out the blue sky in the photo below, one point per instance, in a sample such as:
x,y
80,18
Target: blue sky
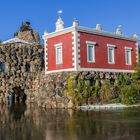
x,y
43,14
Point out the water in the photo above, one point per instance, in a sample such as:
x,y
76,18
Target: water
x,y
32,123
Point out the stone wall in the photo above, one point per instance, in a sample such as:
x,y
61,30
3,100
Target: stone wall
x,y
72,89
48,91
20,62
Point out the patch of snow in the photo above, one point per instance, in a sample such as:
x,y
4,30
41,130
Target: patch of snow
x,y
102,106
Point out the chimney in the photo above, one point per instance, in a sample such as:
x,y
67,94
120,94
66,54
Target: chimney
x,y
118,30
75,23
98,27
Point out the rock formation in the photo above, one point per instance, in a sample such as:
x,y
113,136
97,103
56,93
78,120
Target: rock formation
x,y
27,33
21,58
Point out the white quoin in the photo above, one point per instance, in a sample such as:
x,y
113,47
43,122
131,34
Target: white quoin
x,y
45,33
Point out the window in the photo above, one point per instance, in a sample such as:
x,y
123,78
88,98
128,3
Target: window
x,y
90,51
58,53
128,56
111,59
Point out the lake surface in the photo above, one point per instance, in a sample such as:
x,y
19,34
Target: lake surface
x,y
20,122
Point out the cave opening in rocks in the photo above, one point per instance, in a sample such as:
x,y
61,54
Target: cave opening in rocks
x,y
19,95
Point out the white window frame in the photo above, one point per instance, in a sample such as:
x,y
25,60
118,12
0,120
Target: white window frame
x,y
91,44
58,46
111,46
130,55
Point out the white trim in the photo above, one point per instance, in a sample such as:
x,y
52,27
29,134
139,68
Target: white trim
x,y
59,44
56,33
72,46
73,37
89,30
75,48
93,53
137,52
105,33
113,55
78,52
73,64
45,55
130,55
56,54
111,45
73,53
91,69
78,55
128,48
61,70
79,61
106,70
90,42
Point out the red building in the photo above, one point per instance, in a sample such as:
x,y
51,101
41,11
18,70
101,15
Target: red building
x,y
78,48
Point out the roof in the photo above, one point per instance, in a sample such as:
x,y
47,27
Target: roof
x,y
106,33
15,40
92,31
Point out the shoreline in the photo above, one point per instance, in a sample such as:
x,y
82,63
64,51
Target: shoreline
x,y
107,106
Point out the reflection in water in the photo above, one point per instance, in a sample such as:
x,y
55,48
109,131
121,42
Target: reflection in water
x,y
19,122
16,111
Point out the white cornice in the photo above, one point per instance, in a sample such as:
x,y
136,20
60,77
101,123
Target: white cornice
x,y
56,33
105,33
88,30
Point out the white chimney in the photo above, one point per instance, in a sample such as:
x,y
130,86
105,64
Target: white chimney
x,y
75,23
135,35
118,30
98,27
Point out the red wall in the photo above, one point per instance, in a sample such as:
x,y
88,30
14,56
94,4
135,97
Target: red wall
x,y
101,52
66,39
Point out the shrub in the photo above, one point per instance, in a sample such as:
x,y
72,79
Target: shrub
x,y
130,94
